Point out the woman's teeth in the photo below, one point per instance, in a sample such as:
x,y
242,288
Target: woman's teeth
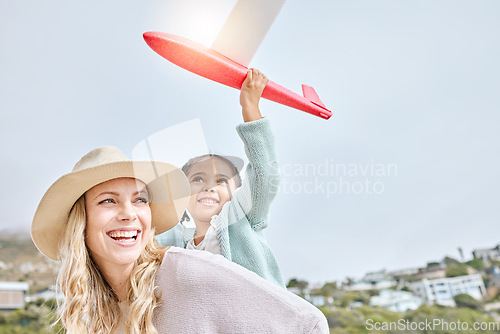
x,y
123,234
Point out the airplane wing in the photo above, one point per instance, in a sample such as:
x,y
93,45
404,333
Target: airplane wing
x,y
245,29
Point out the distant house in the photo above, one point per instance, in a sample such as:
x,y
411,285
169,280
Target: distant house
x,y
487,254
430,273
396,301
441,291
372,281
53,292
12,295
354,305
495,278
404,272
316,300
493,287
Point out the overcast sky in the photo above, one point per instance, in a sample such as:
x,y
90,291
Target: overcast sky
x,y
405,171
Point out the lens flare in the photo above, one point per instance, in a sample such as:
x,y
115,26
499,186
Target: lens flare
x,y
200,21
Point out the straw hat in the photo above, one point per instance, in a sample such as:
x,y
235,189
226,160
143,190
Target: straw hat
x,y
167,185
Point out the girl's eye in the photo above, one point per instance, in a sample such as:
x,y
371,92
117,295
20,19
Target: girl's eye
x,y
142,200
221,181
107,200
197,179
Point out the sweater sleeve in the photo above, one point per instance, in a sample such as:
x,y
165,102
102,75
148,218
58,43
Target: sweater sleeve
x,y
261,183
172,237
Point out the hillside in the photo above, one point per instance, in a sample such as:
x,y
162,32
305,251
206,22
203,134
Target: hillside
x,y
21,261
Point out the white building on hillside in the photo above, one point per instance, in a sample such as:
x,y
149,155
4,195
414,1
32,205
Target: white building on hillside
x,y
404,272
376,280
396,301
441,291
487,254
12,295
53,292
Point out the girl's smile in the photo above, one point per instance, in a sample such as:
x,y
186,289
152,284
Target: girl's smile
x,y
208,201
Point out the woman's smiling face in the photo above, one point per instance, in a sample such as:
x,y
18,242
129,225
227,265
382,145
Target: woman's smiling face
x,y
118,222
212,184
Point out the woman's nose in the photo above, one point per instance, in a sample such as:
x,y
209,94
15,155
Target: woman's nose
x,y
127,212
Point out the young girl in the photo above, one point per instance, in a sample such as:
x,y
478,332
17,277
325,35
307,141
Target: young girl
x,y
230,219
99,221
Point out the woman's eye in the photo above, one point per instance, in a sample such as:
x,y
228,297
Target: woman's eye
x,y
197,179
221,181
107,200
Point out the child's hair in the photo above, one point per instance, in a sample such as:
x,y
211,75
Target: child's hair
x,y
89,304
236,175
187,166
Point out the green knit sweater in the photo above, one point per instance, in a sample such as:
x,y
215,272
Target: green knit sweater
x,y
241,222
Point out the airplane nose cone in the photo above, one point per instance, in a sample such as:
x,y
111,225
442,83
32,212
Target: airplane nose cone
x,y
149,37
160,42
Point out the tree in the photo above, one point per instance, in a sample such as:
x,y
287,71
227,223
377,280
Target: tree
x,y
299,284
451,261
327,290
465,300
33,319
456,270
461,251
431,265
476,263
350,297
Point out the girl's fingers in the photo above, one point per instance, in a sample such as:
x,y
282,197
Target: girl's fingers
x,y
258,75
248,78
255,77
265,80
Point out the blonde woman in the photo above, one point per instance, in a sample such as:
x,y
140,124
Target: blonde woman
x,y
100,220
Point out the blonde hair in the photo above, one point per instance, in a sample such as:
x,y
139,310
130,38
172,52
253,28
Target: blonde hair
x,y
90,305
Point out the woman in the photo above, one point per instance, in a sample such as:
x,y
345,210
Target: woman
x,y
99,221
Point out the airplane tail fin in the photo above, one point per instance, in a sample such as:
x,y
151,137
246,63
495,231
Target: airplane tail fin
x,y
311,95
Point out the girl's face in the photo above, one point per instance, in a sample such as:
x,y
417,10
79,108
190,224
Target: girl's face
x,y
212,184
118,222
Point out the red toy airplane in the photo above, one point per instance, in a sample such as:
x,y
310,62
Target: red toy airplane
x,y
238,39
212,65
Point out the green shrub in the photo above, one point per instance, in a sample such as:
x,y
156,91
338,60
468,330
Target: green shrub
x,y
465,300
455,270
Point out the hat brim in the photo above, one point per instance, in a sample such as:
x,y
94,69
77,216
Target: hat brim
x,y
167,185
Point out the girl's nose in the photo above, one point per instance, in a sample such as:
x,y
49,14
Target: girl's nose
x,y
127,212
210,185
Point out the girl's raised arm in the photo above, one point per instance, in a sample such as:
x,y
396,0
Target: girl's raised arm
x,y
251,90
